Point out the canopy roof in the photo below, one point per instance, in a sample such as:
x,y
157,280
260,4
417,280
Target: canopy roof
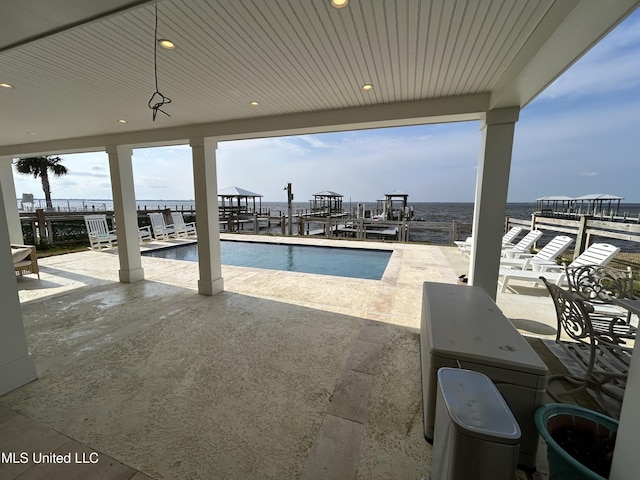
x,y
236,192
594,196
599,196
396,193
327,193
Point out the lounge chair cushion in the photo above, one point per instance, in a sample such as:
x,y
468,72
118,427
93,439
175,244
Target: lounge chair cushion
x,y
19,254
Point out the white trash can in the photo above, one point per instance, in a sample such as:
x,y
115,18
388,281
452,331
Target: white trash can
x,y
476,436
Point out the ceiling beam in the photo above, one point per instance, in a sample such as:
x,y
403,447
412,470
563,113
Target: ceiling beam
x,y
440,110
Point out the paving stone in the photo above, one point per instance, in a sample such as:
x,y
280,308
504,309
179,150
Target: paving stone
x,y
373,331
365,357
335,453
351,397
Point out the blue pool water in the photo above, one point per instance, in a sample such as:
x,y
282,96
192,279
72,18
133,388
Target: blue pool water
x,y
341,262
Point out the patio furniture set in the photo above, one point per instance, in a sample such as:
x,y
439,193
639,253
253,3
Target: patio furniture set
x,y
594,306
595,313
102,236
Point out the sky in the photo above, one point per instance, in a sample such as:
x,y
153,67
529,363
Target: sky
x,y
580,136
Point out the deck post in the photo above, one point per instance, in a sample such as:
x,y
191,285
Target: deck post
x,y
9,197
491,197
203,151
17,366
124,206
582,239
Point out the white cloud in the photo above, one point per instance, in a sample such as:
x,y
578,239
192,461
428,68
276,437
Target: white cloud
x,y
610,66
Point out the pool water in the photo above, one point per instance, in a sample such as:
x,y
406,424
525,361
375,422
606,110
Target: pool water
x,y
336,261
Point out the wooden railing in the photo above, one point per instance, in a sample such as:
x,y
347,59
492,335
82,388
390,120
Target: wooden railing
x,y
584,229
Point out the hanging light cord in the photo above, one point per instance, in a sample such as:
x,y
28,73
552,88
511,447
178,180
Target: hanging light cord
x,y
157,100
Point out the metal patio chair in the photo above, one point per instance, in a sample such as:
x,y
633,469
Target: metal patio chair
x,y
602,354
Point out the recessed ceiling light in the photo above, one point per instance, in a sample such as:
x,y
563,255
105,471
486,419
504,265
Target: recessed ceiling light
x,y
5,85
122,121
168,44
367,86
339,3
31,133
254,104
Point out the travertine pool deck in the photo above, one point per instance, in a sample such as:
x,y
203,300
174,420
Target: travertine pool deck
x,y
283,375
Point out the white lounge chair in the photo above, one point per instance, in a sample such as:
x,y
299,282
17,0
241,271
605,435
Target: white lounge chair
x,y
182,228
464,244
597,254
523,246
465,247
160,230
100,236
547,255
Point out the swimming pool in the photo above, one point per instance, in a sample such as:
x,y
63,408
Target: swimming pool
x,y
336,261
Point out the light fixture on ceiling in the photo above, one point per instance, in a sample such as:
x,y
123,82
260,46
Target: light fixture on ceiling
x,y
167,44
6,85
31,133
254,104
157,100
122,120
367,87
339,3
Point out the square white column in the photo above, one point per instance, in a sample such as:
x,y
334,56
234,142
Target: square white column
x,y
10,200
17,366
124,206
206,193
490,208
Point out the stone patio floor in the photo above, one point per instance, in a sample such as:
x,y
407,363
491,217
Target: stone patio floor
x,y
283,375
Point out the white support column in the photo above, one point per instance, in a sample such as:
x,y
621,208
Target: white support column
x,y
626,461
491,197
10,200
206,192
17,367
124,205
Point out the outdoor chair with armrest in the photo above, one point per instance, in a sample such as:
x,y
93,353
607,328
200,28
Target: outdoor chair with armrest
x,y
465,247
523,246
100,235
182,228
597,254
160,230
25,260
603,355
545,256
598,286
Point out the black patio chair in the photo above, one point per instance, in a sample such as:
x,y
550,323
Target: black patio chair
x,y
599,351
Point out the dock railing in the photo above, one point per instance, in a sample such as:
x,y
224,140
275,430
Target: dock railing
x,y
587,230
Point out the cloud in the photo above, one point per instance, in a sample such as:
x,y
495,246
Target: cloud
x,y
591,174
610,66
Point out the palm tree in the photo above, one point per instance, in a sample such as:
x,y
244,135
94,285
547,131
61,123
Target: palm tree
x,y
40,167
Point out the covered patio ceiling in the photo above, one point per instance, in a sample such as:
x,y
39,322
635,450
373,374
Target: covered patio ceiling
x,y
78,67
70,70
